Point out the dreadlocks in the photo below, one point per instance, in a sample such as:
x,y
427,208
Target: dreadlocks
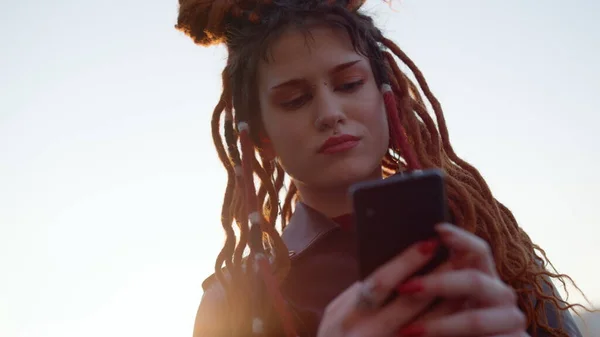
x,y
419,140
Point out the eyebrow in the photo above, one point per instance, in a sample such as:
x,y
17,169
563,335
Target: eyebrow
x,y
334,70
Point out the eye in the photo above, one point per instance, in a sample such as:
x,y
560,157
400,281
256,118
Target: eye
x,y
296,103
350,86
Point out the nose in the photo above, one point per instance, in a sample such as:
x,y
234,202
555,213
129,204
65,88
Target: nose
x,y
329,113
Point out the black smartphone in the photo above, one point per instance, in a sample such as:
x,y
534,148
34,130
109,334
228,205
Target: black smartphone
x,y
393,213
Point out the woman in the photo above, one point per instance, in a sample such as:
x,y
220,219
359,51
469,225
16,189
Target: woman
x,y
314,98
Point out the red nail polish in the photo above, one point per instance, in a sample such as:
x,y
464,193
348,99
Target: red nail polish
x,y
411,287
428,247
412,331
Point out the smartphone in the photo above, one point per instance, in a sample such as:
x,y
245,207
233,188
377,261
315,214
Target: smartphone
x,y
393,213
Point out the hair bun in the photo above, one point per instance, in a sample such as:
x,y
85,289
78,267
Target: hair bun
x,y
204,20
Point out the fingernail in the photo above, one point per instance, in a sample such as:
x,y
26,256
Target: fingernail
x,y
411,287
445,230
429,246
445,226
412,331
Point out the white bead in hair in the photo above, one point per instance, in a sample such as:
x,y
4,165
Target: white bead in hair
x,y
239,171
255,218
243,126
386,88
257,326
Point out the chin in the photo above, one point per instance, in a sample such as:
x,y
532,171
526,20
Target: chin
x,y
346,174
336,174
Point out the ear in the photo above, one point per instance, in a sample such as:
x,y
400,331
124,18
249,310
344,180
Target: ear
x,y
266,147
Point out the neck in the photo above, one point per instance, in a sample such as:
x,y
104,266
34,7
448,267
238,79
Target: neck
x,y
331,201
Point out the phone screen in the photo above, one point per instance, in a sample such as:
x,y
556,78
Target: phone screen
x,y
393,213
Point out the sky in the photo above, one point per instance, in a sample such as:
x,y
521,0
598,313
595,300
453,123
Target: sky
x,y
111,188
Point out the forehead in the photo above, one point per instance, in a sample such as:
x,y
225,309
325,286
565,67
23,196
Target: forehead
x,y
302,53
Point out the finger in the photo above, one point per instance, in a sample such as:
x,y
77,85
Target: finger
x,y
345,305
470,284
468,246
390,318
383,281
341,305
444,308
408,308
387,277
482,322
444,267
514,334
424,309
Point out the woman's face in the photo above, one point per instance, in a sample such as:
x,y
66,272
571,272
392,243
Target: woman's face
x,y
322,109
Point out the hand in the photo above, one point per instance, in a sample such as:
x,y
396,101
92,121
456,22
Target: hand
x,y
358,312
477,303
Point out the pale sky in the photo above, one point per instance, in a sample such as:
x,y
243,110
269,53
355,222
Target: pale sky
x,y
111,189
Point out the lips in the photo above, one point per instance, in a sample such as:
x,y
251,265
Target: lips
x,y
339,144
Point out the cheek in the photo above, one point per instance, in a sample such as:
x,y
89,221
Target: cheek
x,y
283,134
383,132
375,120
385,126
292,157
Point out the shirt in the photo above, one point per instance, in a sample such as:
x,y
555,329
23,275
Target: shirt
x,y
324,263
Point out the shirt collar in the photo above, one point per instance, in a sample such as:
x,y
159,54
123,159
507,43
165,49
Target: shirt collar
x,y
305,228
